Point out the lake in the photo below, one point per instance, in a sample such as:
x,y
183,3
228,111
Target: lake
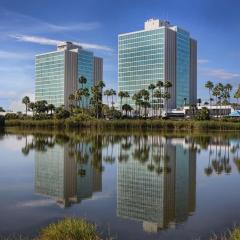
x,y
133,185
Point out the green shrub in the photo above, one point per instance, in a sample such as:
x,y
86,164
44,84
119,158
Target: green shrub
x,y
62,114
69,229
83,117
41,116
203,114
9,116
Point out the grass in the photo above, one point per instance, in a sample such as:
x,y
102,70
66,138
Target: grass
x,y
127,124
79,229
69,229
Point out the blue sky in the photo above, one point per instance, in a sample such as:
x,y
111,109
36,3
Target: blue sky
x,y
30,27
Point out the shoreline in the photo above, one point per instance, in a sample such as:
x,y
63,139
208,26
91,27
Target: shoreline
x,y
127,124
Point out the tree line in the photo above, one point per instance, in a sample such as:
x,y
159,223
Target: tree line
x,y
156,97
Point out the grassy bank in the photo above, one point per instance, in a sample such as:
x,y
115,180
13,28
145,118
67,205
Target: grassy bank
x,y
126,124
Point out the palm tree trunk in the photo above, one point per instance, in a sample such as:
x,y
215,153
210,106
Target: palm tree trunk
x,y
121,104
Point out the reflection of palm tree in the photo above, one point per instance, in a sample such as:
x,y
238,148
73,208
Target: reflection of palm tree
x,y
142,154
208,170
123,158
236,159
166,168
25,150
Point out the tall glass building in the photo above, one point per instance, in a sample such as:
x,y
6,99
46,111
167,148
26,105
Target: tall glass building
x,y
57,73
160,52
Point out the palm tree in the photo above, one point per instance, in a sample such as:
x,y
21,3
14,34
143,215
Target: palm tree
x,y
158,94
78,97
209,85
101,85
71,98
137,99
237,94
144,103
121,94
82,80
51,108
107,93
218,93
31,106
199,101
96,99
26,101
127,108
167,96
86,95
112,93
228,88
159,84
151,87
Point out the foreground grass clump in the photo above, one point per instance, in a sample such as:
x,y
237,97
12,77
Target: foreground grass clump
x,y
235,234
231,235
69,229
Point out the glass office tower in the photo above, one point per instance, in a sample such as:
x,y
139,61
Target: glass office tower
x,y
57,73
160,52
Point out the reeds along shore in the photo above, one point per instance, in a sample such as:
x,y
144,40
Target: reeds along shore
x,y
220,125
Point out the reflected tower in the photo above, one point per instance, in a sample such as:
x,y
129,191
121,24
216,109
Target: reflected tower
x,y
65,174
162,195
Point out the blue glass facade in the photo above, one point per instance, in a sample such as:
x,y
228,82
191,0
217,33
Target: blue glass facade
x,y
183,67
161,52
49,84
140,61
85,68
57,74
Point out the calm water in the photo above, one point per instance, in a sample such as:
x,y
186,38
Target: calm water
x,y
135,186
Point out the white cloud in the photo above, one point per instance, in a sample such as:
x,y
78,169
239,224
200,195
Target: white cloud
x,y
48,41
15,55
35,39
218,74
37,203
11,21
202,61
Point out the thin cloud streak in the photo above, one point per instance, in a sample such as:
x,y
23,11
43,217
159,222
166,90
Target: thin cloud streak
x,y
15,55
12,21
218,74
48,41
202,61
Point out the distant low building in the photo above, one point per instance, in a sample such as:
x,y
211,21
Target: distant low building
x,y
214,110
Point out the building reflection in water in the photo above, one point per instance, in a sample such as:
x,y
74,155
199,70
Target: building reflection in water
x,y
157,185
66,173
156,175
